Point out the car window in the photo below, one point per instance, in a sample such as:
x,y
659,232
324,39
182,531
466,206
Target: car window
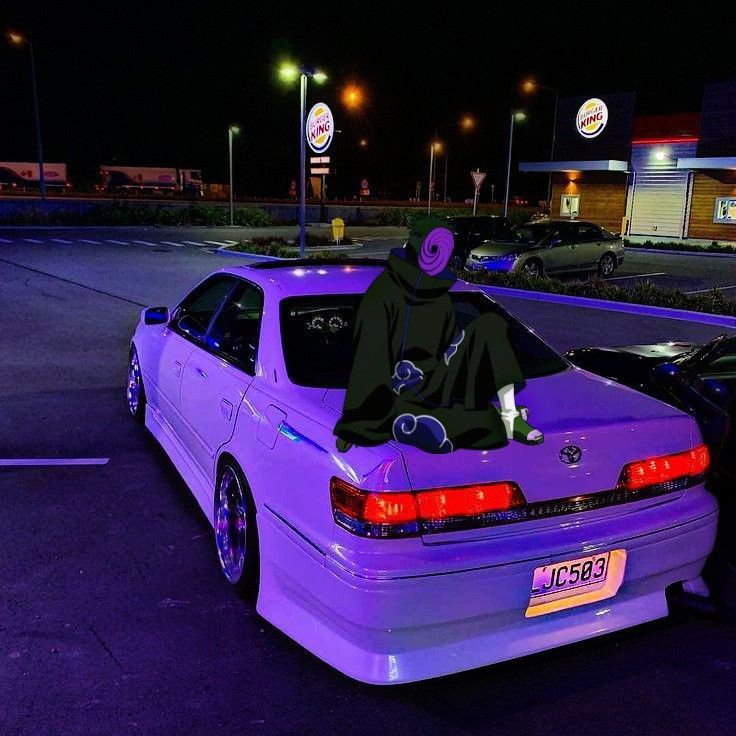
x,y
588,233
530,234
193,315
235,330
721,364
317,337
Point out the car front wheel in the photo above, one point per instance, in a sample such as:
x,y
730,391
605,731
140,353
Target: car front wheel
x,y
236,534
533,267
607,265
135,393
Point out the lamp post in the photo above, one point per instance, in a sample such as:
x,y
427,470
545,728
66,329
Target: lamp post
x,y
18,39
289,73
433,146
515,115
467,123
232,131
530,86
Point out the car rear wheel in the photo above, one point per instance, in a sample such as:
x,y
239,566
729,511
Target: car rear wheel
x,y
135,393
534,267
236,533
606,265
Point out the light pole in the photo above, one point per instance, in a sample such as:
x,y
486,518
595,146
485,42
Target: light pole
x,y
530,86
18,39
515,115
433,146
232,131
289,73
467,123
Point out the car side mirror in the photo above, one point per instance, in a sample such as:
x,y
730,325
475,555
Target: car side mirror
x,y
667,374
156,315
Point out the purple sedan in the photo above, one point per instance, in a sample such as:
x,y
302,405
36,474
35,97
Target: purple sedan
x,y
389,563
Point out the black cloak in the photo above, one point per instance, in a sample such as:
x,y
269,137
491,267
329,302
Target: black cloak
x,y
415,377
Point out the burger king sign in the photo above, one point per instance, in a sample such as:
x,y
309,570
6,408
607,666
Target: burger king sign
x,y
320,127
592,118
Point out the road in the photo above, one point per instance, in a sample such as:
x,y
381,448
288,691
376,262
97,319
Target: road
x,y
691,273
113,616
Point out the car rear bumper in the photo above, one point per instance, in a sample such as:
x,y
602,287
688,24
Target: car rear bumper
x,y
387,630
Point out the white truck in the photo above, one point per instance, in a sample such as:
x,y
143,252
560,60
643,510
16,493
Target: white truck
x,y
116,178
25,175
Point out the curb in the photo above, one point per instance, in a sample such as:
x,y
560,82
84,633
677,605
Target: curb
x,y
634,249
240,254
719,320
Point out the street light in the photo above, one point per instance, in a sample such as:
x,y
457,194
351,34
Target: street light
x,y
530,86
466,123
433,146
515,115
17,39
289,73
353,97
232,131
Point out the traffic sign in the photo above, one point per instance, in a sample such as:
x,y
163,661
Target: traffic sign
x,y
478,177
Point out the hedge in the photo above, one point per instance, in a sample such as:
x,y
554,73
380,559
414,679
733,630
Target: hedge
x,y
712,247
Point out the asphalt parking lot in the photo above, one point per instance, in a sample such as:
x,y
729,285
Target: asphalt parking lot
x,y
114,619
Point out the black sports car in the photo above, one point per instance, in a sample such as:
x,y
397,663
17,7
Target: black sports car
x,y
699,379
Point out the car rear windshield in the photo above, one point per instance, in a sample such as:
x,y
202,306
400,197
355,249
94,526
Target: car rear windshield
x,y
317,337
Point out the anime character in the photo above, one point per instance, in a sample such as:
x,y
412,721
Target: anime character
x,y
415,377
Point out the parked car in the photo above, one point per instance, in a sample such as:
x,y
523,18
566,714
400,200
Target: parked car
x,y
699,379
551,247
471,232
389,563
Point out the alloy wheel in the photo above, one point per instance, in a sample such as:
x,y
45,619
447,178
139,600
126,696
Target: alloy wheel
x,y
231,525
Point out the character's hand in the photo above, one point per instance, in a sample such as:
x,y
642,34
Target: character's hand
x,y
342,445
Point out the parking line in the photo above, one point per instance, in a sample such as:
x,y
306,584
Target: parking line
x,y
61,240
218,242
170,242
192,242
90,242
117,242
144,242
5,240
702,291
636,276
32,240
49,461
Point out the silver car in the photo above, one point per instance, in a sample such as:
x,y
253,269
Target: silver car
x,y
551,247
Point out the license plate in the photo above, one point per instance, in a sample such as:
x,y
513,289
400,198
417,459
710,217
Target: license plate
x,y
575,582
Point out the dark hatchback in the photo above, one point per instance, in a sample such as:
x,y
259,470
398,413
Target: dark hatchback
x,y
471,231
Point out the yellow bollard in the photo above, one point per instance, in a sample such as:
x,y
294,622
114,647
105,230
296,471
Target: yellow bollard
x,y
338,229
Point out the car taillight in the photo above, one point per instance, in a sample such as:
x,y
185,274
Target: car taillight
x,y
407,513
668,472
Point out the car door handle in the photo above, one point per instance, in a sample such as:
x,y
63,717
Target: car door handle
x,y
202,374
226,409
177,368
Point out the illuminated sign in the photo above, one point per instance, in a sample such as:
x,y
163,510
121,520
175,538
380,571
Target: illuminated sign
x,y
592,118
320,127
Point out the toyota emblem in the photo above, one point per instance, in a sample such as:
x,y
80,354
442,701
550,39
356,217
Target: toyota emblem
x,y
571,454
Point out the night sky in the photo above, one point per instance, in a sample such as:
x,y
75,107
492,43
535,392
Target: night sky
x,y
157,83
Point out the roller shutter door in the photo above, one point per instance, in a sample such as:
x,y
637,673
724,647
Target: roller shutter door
x,y
659,205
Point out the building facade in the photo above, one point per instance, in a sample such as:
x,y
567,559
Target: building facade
x,y
658,176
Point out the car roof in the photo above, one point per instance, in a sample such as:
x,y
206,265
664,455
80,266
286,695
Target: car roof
x,y
559,222
305,277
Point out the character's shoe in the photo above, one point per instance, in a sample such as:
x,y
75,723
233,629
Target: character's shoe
x,y
517,428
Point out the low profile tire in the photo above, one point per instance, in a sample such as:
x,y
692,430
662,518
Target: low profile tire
x,y
135,393
606,265
533,267
236,532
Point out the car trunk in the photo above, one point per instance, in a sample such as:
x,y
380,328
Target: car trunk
x,y
611,424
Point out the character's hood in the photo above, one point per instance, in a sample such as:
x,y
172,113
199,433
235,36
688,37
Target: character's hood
x,y
417,285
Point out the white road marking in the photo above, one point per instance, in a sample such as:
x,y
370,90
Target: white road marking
x,y
170,242
219,242
636,276
61,240
192,242
32,240
144,242
118,242
702,291
231,242
5,240
90,242
48,461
